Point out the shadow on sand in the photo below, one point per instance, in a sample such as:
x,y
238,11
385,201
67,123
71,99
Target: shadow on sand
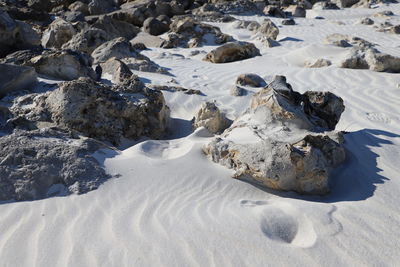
x,y
358,177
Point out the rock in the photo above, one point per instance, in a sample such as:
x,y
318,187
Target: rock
x,y
97,111
370,58
237,91
87,40
266,145
343,40
274,11
366,21
147,39
97,7
346,3
170,88
64,65
79,6
319,63
383,14
325,5
21,57
26,37
116,28
297,11
250,79
210,117
187,32
118,48
288,22
58,33
246,24
119,71
45,5
35,163
73,16
232,51
268,29
143,63
154,27
139,46
16,78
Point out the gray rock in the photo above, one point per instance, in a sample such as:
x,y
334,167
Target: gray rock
x,y
64,65
288,22
154,27
232,51
58,33
210,117
274,11
343,40
116,28
97,7
87,40
237,91
16,78
250,79
79,6
366,21
274,142
319,63
118,70
118,48
268,29
297,11
32,163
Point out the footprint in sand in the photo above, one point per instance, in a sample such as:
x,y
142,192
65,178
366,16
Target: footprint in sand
x,y
281,222
165,149
378,117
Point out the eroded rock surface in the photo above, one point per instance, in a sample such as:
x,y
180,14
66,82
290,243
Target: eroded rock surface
x,y
280,141
210,117
232,51
15,78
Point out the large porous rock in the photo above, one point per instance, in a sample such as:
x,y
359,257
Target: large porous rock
x,y
232,51
154,27
58,33
297,11
274,11
371,58
278,141
16,78
250,79
116,28
268,29
42,163
87,40
118,48
187,32
210,117
97,111
64,65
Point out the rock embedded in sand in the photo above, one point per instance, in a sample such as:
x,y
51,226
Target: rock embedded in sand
x,y
268,29
154,27
118,48
366,21
250,79
278,143
319,63
232,51
34,161
344,40
237,91
210,117
15,78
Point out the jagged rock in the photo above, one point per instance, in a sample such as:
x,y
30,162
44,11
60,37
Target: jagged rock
x,y
139,46
274,11
187,32
319,63
26,37
343,40
371,58
97,7
116,28
87,40
143,63
21,57
325,5
118,70
210,117
250,79
35,164
64,65
232,51
297,11
118,48
154,27
79,6
268,29
237,91
58,33
16,78
171,88
288,22
366,21
275,142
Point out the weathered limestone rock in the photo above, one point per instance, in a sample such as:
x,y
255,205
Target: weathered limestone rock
x,y
319,63
297,11
15,78
97,111
237,91
246,24
210,117
174,88
154,27
268,29
118,48
232,51
187,32
343,40
97,7
34,164
275,142
143,63
118,70
116,28
366,21
371,58
87,40
64,65
58,33
325,5
250,79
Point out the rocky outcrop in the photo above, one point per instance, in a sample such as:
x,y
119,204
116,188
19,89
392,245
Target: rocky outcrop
x,y
118,48
210,117
250,79
37,164
278,142
187,32
16,78
118,70
64,65
58,33
87,40
232,51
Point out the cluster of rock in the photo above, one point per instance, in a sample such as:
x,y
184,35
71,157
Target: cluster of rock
x,y
285,140
266,32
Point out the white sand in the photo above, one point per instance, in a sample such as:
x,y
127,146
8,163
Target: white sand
x,y
173,207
